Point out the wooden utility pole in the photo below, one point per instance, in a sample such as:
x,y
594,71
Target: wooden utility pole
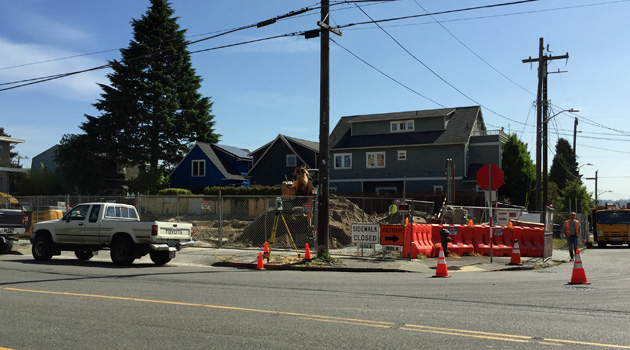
x,y
324,157
541,121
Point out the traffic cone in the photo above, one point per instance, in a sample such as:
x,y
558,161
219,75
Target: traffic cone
x,y
307,253
516,255
266,251
260,265
441,270
578,276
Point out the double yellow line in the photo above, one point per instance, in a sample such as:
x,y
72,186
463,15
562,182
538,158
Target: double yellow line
x,y
350,321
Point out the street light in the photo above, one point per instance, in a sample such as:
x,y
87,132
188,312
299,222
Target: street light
x,y
545,196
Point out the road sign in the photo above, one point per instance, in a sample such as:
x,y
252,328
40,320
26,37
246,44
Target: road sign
x,y
404,208
365,233
392,234
490,173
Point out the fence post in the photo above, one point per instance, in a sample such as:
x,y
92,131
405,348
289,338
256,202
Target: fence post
x,y
220,219
266,211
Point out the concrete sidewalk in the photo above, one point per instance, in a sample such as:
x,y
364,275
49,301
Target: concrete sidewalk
x,y
288,260
343,260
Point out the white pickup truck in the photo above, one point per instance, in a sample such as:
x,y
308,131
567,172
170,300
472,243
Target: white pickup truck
x,y
90,227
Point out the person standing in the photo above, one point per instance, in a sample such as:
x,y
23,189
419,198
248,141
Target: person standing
x,y
572,232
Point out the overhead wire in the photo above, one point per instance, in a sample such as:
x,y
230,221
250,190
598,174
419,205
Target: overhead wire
x,y
434,72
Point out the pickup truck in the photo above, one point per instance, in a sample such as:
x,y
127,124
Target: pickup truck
x,y
90,227
12,224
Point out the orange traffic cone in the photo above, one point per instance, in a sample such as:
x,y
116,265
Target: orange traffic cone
x,y
441,270
307,253
266,251
260,265
578,276
516,255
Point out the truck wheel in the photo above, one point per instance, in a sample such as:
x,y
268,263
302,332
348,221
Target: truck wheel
x,y
42,248
84,255
122,251
5,248
160,257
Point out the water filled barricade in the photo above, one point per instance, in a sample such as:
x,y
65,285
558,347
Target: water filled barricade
x,y
426,240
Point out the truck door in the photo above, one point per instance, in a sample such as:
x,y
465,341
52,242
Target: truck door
x,y
71,231
92,226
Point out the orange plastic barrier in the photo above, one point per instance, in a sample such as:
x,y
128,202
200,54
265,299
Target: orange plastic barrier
x,y
502,241
427,240
421,241
461,243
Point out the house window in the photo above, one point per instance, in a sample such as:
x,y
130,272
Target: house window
x,y
343,161
438,189
375,160
199,168
401,126
291,160
402,155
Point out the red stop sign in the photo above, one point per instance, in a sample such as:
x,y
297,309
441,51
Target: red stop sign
x,y
490,177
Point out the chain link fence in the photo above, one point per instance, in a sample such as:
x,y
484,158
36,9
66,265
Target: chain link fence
x,y
224,221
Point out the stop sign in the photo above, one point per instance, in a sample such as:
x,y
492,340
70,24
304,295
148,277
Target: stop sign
x,y
490,177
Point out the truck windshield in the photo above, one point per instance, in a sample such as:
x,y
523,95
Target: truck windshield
x,y
613,217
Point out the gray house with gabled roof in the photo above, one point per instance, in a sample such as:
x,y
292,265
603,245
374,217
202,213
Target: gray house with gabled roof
x,y
276,161
407,151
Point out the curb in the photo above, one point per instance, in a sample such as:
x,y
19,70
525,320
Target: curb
x,y
252,266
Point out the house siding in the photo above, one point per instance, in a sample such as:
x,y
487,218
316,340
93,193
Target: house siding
x,y
438,135
182,176
273,169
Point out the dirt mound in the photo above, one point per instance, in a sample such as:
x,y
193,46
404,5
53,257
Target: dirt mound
x,y
343,214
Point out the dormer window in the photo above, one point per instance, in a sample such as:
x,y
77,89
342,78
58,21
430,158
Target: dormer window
x,y
401,126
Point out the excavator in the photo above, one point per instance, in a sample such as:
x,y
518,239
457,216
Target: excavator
x,y
301,186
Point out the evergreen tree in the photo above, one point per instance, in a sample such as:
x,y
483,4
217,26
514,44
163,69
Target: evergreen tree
x,y
151,112
564,166
518,170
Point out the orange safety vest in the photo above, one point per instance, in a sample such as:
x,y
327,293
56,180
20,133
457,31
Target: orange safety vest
x,y
567,229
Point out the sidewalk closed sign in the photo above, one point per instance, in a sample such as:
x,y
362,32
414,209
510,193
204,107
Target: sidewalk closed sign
x,y
365,233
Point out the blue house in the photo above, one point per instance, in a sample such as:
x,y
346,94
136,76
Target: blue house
x,y
212,165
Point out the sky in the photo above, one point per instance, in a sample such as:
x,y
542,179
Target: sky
x,y
464,57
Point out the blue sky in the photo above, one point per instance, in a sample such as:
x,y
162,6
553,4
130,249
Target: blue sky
x,y
272,87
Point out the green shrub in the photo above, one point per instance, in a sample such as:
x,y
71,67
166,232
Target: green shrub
x,y
175,192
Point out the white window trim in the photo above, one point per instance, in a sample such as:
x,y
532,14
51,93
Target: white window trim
x,y
375,155
402,153
289,156
342,155
394,126
201,168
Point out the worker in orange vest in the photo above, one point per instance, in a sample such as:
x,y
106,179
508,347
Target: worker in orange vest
x,y
572,232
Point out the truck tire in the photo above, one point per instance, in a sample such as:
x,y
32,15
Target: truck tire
x,y
42,248
122,251
84,255
160,257
5,248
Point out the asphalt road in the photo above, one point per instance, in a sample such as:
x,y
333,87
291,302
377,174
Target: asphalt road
x,y
67,304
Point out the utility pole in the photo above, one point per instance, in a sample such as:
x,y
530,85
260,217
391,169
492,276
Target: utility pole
x,y
324,127
594,178
541,120
574,137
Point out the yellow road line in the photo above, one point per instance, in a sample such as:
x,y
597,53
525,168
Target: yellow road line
x,y
344,320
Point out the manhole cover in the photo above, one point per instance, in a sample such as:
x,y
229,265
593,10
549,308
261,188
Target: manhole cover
x,y
579,288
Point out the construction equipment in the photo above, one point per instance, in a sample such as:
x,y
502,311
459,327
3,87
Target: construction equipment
x,y
302,186
611,226
274,229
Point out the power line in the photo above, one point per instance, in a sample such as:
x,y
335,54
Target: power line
x,y
388,76
435,73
